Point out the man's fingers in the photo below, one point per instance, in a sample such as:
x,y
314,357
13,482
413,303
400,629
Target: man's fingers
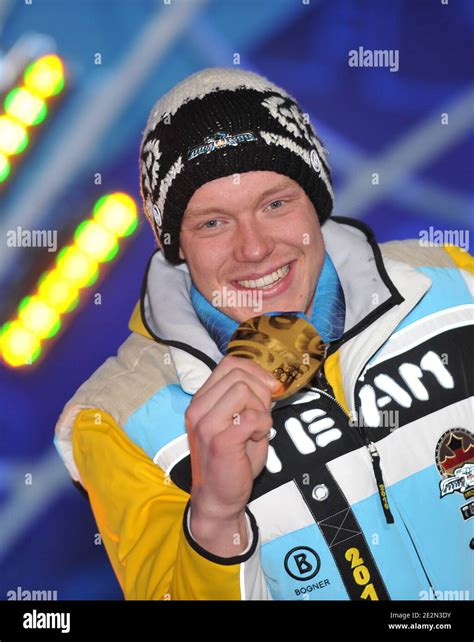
x,y
225,387
253,425
227,410
230,363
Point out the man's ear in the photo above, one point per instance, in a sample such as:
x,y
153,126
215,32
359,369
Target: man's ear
x,y
181,254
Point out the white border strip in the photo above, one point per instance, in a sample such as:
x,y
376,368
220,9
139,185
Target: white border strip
x,y
178,449
408,346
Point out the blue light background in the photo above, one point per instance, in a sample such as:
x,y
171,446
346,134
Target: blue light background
x,y
363,115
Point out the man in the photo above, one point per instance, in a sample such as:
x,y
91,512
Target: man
x,y
358,486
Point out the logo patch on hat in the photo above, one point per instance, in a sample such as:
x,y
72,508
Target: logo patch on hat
x,y
218,141
455,462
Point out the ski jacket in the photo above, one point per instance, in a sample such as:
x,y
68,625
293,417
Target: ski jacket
x,y
368,489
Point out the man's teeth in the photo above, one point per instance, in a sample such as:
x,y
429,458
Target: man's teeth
x,y
268,280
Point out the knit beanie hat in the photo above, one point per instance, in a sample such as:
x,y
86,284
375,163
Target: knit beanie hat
x,y
219,122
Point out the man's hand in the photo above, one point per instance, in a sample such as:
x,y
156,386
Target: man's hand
x,y
227,423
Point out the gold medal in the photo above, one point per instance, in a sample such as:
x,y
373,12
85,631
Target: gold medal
x,y
285,345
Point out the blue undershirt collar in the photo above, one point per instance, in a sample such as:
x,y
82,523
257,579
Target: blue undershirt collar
x,y
328,314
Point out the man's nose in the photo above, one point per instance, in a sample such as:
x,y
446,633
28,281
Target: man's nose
x,y
253,242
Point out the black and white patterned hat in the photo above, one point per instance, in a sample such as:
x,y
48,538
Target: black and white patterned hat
x,y
219,122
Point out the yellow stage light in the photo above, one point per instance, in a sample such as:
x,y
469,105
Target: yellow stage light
x,y
13,136
37,316
96,241
76,267
21,104
57,292
117,213
45,76
19,345
4,167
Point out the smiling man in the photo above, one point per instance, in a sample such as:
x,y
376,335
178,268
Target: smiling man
x,y
202,486
257,233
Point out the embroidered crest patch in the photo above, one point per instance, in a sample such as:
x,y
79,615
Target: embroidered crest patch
x,y
455,461
218,141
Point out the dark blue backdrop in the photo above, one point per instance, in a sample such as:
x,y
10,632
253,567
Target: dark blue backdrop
x,y
371,120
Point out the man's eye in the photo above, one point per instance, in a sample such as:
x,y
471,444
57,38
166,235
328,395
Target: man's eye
x,y
276,205
210,224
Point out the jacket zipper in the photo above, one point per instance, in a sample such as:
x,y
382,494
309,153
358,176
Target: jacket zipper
x,y
374,455
368,443
326,394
